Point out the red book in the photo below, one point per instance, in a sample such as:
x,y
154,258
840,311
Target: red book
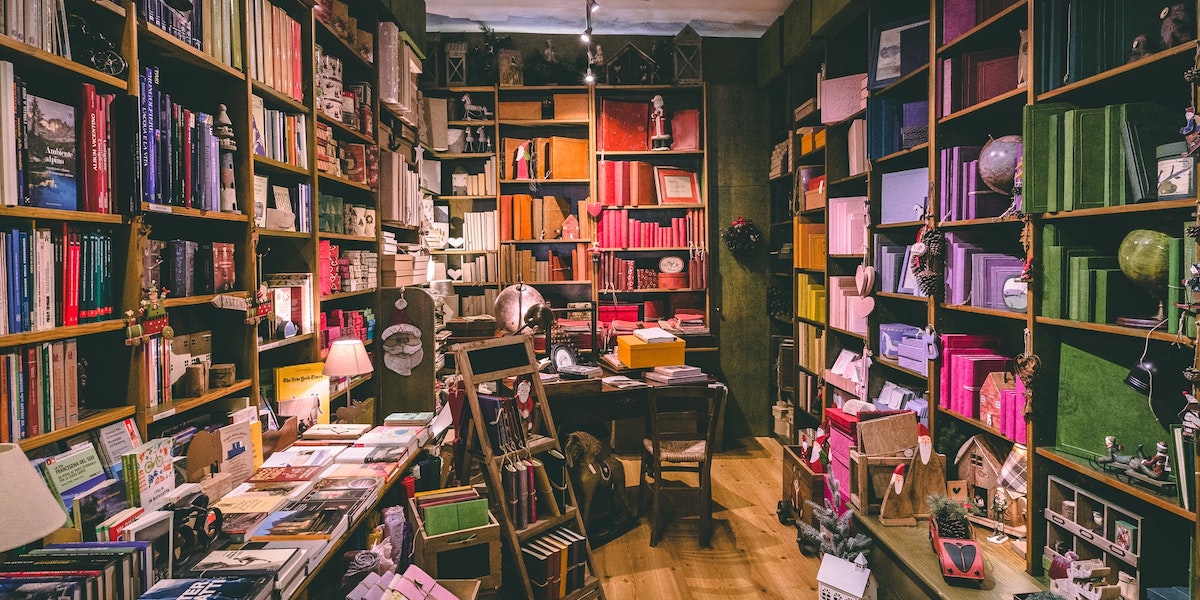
x,y
620,187
625,180
685,129
297,75
506,217
186,143
87,151
624,125
33,409
76,252
4,423
604,181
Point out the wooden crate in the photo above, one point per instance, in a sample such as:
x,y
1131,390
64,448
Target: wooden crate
x,y
468,554
869,475
800,483
463,589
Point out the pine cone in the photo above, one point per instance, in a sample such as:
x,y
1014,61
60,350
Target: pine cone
x,y
955,529
928,281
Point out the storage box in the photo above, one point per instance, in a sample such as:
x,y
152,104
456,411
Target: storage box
x,y
800,484
520,110
571,107
637,354
869,475
468,554
607,313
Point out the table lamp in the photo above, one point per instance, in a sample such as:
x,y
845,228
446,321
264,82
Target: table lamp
x,y
28,511
347,358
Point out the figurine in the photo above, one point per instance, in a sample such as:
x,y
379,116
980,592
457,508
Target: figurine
x,y
468,141
897,508
548,52
999,509
1114,457
1140,49
597,57
1155,467
926,472
659,139
222,129
1190,415
1177,25
1098,522
474,111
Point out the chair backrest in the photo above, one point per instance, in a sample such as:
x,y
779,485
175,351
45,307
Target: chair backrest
x,y
685,412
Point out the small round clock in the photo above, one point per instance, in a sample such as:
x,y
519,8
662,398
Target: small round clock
x,y
562,355
670,264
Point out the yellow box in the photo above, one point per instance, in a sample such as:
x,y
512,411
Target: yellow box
x,y
819,138
571,107
520,110
637,354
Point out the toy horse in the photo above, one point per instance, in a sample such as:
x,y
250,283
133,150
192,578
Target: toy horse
x,y
592,467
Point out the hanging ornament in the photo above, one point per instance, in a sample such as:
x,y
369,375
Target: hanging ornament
x,y
402,350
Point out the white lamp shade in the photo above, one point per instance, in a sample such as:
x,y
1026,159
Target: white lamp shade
x,y
28,511
347,358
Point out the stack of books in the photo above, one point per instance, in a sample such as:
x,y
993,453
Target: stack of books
x,y
91,570
556,562
223,588
675,374
285,567
451,509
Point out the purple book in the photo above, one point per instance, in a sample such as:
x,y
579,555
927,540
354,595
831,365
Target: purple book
x,y
944,185
915,114
958,16
958,156
958,267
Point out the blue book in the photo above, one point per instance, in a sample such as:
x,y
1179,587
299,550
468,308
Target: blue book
x,y
50,136
11,251
214,588
24,316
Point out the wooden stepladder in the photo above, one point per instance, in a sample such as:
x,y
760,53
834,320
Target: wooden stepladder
x,y
508,435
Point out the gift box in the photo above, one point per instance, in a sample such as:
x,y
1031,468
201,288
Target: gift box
x,y
637,354
607,313
521,111
968,372
890,336
571,107
913,354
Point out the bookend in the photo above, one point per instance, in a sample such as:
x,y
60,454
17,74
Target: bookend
x,y
531,435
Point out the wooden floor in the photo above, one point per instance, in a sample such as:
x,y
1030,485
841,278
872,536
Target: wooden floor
x,y
752,555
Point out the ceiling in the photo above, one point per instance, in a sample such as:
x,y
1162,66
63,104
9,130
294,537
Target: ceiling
x,y
710,18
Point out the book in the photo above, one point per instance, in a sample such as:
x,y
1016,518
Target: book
x,y
114,441
281,564
335,431
157,529
149,475
654,335
302,391
71,473
93,506
409,418
281,474
50,139
282,525
211,588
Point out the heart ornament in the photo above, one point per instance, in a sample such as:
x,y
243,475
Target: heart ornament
x,y
861,305
1028,367
455,274
455,242
594,209
864,279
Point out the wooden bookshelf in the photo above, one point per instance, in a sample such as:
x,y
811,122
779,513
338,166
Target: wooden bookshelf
x,y
51,214
1010,16
168,46
96,419
192,213
61,333
181,405
280,167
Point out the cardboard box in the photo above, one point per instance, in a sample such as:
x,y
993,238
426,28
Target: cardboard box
x,y
801,484
468,554
571,107
637,354
520,110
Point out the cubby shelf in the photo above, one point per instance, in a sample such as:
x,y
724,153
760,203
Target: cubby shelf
x,y
273,344
341,49
1081,466
344,295
1182,52
848,333
901,225
973,422
60,333
1125,209
977,310
1157,334
271,94
1013,12
279,233
1009,97
345,237
895,366
51,214
97,419
25,55
978,222
344,129
170,46
908,297
904,81
602,154
280,167
326,177
545,122
813,322
918,151
182,405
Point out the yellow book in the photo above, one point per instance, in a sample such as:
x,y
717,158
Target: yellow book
x,y
302,391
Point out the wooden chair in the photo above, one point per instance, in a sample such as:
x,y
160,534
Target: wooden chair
x,y
682,423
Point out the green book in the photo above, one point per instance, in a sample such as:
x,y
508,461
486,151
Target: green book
x,y
1080,291
1115,177
1108,285
1054,150
1084,158
1056,278
1039,186
1146,127
1175,277
455,516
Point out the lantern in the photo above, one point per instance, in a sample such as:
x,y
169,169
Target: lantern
x,y
687,56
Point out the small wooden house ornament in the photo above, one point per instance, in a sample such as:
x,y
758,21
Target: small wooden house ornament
x,y
630,66
978,463
840,579
456,63
989,396
688,66
570,228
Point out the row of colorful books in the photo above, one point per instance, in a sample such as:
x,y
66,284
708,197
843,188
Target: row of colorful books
x,y
341,323
618,230
55,277
189,268
556,562
212,26
48,159
39,389
279,135
276,49
282,207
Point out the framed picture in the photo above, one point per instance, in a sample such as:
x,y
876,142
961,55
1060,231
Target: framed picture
x,y
676,186
886,51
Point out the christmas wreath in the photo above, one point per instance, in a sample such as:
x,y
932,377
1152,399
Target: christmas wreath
x,y
742,237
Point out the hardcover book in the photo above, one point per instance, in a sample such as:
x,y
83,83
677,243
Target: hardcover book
x,y
51,146
215,588
302,391
624,125
148,473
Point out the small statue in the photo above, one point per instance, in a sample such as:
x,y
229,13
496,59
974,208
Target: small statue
x,y
999,509
468,141
1098,522
1155,467
660,139
222,129
474,111
1177,25
1140,49
548,52
1114,449
483,143
597,57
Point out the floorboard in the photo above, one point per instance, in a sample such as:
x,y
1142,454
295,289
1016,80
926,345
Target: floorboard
x,y
752,555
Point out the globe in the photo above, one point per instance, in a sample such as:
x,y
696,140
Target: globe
x,y
998,163
1143,259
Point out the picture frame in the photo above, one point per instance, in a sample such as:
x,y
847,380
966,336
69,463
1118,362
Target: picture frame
x,y
886,50
676,186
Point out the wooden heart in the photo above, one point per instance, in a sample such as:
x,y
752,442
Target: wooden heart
x,y
455,242
1028,366
862,305
594,209
454,274
864,279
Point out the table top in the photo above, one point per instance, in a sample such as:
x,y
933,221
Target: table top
x,y
1004,571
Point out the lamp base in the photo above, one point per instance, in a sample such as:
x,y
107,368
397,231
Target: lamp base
x,y
1139,322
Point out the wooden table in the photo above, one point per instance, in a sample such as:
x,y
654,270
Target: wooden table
x,y
904,565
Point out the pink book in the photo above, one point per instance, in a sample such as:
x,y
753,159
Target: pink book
x,y
621,183
973,370
956,343
947,87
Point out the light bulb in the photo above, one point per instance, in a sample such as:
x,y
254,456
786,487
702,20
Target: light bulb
x,y
589,77
593,6
586,36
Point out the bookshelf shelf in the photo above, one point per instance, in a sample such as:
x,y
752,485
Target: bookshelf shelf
x,y
182,405
652,291
810,156
475,283
172,47
343,50
895,366
480,123
197,300
978,222
1189,203
460,252
546,283
98,419
344,129
1158,334
661,207
858,178
903,225
1014,13
908,297
550,181
539,242
860,114
808,321
111,6
192,213
466,198
845,256
325,177
60,333
1156,61
807,271
270,94
280,167
279,233
355,382
50,214
920,151
345,237
973,422
1012,97
545,122
544,524
602,154
908,79
344,295
991,312
24,55
462,155
1080,466
399,225
848,333
285,342
665,249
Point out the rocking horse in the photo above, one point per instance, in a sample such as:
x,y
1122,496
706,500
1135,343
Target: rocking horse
x,y
593,467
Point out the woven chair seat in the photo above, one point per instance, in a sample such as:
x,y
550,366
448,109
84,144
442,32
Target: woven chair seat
x,y
679,451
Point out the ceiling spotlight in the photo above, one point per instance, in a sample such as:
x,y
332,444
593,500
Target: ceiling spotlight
x,y
586,36
593,6
589,77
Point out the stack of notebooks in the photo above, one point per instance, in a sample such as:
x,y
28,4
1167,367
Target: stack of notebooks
x,y
845,311
455,509
847,225
414,584
523,217
964,195
977,277
893,267
556,563
810,298
677,374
